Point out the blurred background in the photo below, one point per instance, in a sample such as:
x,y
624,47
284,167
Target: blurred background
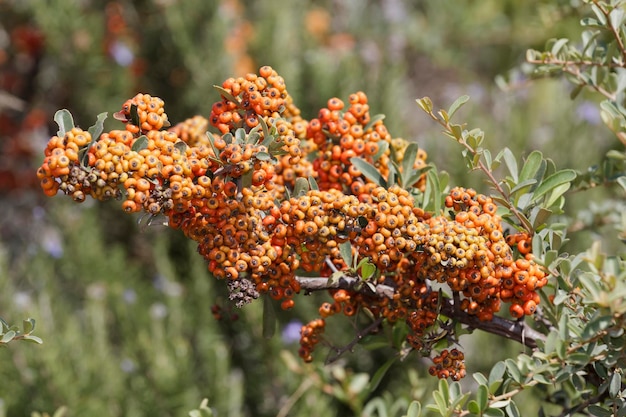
x,y
126,311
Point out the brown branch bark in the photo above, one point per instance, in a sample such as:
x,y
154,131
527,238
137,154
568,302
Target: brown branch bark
x,y
519,331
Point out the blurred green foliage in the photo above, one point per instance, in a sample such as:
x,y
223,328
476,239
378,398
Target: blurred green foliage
x,y
125,314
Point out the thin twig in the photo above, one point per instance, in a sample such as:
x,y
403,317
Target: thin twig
x,y
345,282
496,184
338,351
567,63
614,30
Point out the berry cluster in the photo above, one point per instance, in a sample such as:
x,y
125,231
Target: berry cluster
x,y
246,99
143,113
309,337
448,364
192,131
341,135
260,210
412,251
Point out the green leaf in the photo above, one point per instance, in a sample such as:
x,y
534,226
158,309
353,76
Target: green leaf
x,y
510,162
556,193
140,143
473,407
28,326
367,268
596,325
358,382
616,17
494,386
266,130
426,104
373,120
376,407
522,185
444,389
345,249
551,340
513,370
497,372
226,94
558,45
379,375
382,148
457,105
8,336
597,411
539,216
96,130
253,138
410,153
455,391
134,115
301,187
313,184
512,410
493,412
482,396
181,146
615,384
33,339
457,131
553,181
415,409
64,119
212,137
240,136
500,404
487,157
432,193
442,405
369,171
415,176
480,378
531,165
576,91
269,318
393,174
246,180
263,156
203,411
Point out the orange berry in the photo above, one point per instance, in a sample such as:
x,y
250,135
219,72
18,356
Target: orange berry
x,y
517,311
524,246
530,307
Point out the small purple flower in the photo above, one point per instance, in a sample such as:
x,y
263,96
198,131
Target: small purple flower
x,y
130,296
588,112
291,332
128,365
121,53
51,242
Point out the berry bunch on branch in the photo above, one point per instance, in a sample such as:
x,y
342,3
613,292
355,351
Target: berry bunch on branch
x,y
280,205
